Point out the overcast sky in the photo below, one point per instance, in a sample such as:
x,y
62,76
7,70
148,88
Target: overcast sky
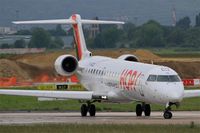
x,y
137,11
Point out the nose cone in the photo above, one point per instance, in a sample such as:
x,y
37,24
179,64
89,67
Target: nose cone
x,y
175,93
175,97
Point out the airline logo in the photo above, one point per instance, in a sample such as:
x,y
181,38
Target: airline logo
x,y
128,79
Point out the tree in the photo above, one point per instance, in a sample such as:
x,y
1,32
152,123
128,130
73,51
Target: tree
x,y
193,38
5,45
19,43
176,37
58,31
198,20
40,38
57,43
108,38
184,23
129,29
149,35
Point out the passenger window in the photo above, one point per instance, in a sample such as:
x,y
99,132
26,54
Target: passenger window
x,y
97,71
152,78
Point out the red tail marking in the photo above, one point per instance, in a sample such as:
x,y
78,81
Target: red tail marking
x,y
77,37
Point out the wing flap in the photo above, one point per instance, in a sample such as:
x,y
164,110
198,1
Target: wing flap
x,y
191,93
80,95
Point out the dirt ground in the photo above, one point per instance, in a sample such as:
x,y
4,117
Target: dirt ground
x,y
30,66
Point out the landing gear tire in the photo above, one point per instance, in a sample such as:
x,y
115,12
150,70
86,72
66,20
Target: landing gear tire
x,y
84,110
138,110
167,115
147,110
92,110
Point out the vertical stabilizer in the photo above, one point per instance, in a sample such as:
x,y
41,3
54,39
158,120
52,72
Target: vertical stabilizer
x,y
82,51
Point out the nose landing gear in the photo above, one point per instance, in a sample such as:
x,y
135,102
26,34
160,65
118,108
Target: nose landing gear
x,y
167,113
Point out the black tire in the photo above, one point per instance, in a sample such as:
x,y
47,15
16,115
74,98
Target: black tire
x,y
92,110
84,110
167,115
138,110
147,110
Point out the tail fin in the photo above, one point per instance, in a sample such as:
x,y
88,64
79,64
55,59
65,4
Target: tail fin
x,y
76,22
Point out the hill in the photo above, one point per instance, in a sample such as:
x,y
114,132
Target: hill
x,y
31,66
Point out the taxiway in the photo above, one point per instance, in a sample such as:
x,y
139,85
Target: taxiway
x,y
179,117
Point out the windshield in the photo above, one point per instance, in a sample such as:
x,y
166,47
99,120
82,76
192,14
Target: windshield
x,y
164,78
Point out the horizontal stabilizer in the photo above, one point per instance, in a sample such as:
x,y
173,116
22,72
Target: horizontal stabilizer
x,y
68,21
85,21
56,21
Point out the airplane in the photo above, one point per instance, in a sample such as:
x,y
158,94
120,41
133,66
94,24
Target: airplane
x,y
106,79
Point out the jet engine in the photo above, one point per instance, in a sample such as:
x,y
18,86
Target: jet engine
x,y
129,57
66,65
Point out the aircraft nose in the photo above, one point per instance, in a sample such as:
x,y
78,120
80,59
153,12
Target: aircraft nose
x,y
175,94
175,97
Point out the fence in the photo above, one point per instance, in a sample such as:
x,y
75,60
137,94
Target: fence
x,y
9,82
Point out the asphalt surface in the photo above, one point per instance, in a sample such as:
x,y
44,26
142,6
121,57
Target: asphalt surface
x,y
179,117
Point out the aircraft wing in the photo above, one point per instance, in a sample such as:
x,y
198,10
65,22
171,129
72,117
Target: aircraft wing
x,y
79,95
191,93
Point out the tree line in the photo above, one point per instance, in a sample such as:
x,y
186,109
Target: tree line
x,y
149,35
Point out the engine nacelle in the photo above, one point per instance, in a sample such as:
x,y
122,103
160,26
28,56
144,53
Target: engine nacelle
x,y
129,57
66,65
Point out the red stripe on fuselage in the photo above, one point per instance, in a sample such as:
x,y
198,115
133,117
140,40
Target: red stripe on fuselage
x,y
77,37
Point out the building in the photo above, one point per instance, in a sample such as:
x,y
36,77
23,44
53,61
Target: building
x,y
94,29
7,31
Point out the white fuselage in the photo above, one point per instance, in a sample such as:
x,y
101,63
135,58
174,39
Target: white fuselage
x,y
121,80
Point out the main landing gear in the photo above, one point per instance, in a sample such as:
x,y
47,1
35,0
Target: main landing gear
x,y
88,108
146,108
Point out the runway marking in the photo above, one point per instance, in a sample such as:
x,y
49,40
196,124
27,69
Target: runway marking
x,y
180,117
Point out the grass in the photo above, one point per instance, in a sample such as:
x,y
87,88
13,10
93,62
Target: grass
x,y
102,128
3,56
21,103
177,52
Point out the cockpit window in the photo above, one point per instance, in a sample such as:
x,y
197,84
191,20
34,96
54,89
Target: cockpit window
x,y
164,78
174,78
152,78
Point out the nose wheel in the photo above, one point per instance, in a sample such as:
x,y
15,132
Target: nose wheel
x,y
146,108
88,108
167,113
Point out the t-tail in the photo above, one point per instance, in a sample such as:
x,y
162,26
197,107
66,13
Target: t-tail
x,y
76,22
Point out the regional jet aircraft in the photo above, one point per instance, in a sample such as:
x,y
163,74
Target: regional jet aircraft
x,y
124,79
